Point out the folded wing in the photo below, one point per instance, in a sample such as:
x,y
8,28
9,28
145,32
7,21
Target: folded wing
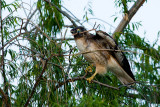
x,y
117,55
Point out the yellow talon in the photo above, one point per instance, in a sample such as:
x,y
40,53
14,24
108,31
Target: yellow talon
x,y
91,78
89,68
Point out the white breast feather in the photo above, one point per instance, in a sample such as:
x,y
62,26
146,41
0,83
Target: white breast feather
x,y
80,45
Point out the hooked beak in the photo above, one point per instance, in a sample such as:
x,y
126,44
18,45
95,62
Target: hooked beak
x,y
72,31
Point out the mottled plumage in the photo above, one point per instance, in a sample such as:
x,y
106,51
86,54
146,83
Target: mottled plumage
x,y
115,61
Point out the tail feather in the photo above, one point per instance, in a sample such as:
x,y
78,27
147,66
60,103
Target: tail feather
x,y
126,81
122,74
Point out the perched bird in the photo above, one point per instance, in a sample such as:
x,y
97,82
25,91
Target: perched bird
x,y
106,57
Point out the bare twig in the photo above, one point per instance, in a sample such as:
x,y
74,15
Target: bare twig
x,y
59,39
99,20
70,26
131,13
94,25
29,18
102,84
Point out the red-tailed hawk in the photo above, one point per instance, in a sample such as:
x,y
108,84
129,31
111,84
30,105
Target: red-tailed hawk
x,y
114,61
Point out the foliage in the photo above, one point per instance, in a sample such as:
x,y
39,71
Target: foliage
x,y
31,43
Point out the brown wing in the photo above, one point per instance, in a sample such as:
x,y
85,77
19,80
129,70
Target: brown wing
x,y
118,55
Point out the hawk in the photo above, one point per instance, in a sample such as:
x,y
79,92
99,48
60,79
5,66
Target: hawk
x,y
105,59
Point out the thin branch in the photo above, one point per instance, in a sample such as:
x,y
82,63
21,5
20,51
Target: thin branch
x,y
83,78
1,48
29,18
5,97
36,84
85,52
63,12
94,81
131,13
60,39
69,60
26,32
99,20
9,41
75,18
69,80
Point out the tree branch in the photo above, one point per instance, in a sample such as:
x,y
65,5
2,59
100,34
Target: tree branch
x,y
29,18
36,84
61,39
63,12
5,97
131,13
3,45
83,78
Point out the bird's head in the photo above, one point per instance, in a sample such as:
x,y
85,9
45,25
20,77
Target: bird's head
x,y
78,31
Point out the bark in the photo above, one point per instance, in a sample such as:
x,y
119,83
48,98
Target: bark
x,y
124,22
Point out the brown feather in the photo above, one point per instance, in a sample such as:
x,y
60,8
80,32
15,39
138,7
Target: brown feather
x,y
103,60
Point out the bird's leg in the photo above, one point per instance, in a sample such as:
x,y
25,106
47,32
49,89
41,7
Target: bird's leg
x,y
91,78
89,68
101,69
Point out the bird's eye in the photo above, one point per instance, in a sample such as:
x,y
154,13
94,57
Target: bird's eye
x,y
78,30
